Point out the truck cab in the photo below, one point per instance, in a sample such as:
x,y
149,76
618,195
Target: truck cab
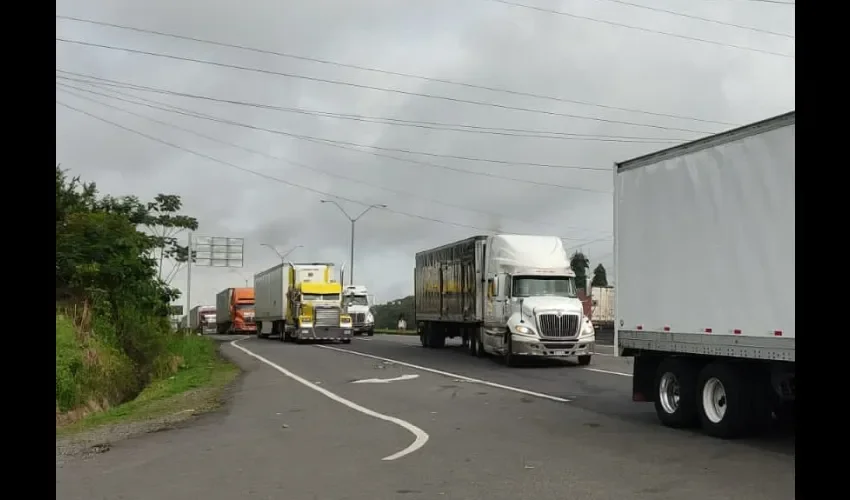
x,y
315,311
355,302
532,306
242,307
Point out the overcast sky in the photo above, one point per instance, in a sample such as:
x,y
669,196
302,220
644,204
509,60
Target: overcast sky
x,y
712,86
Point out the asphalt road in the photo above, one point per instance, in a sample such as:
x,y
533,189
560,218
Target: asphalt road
x,y
303,425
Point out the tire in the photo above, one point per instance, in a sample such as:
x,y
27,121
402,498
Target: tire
x,y
510,359
675,389
346,341
371,333
472,343
423,336
731,401
479,349
261,335
584,360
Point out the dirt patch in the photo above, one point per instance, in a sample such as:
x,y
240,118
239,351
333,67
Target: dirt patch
x,y
185,408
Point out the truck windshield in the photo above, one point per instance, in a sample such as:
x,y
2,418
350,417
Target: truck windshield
x,y
356,300
536,286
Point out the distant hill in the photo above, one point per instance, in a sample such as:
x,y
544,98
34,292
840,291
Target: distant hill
x,y
386,315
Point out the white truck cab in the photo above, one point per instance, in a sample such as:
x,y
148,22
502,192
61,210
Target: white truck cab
x,y
355,301
531,303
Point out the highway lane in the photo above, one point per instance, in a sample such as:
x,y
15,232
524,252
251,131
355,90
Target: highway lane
x,y
281,437
604,387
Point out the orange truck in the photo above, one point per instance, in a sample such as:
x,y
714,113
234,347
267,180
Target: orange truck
x,y
234,311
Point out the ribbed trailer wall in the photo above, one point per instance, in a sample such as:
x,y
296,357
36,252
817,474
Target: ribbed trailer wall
x,y
445,285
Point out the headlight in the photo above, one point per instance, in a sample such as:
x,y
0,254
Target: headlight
x,y
523,330
586,328
345,320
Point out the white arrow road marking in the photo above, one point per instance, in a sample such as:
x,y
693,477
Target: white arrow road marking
x,y
384,380
449,374
420,435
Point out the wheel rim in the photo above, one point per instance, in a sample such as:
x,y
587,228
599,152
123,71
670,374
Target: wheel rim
x,y
669,393
714,400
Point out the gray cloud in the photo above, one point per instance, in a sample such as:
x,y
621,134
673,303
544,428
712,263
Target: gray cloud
x,y
474,41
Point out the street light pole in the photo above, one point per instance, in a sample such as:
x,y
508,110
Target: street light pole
x,y
353,220
283,256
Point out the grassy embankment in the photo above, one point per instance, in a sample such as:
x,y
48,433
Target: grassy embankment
x,y
95,382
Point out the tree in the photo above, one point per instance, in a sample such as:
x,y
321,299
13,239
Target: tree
x,y
162,221
600,277
580,264
100,251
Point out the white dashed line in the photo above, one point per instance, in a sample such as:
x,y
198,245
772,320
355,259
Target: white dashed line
x,y
609,372
421,436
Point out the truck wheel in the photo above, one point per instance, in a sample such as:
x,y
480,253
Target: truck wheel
x,y
731,400
423,335
346,341
371,333
584,360
675,393
472,343
510,359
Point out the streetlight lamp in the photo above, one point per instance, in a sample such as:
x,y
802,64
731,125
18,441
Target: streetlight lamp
x,y
353,220
282,256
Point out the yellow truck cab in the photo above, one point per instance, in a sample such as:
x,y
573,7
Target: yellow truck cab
x,y
315,305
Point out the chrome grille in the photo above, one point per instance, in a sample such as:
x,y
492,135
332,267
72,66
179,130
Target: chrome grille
x,y
553,325
326,316
358,318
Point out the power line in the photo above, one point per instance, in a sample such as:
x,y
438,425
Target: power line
x,y
699,18
287,160
451,127
386,72
260,174
359,145
186,112
646,30
370,87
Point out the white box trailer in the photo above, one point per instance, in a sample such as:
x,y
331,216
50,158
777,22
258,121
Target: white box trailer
x,y
270,299
602,307
704,265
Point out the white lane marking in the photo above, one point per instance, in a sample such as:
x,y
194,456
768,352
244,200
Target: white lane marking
x,y
452,375
421,436
385,380
609,372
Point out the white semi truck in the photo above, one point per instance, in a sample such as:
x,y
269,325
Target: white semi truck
x,y
509,295
355,300
704,266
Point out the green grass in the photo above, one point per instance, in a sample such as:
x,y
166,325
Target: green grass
x,y
388,331
199,377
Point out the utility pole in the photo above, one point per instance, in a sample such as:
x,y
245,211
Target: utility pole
x,y
189,276
353,221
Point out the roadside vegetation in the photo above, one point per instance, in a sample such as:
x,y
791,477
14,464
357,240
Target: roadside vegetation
x,y
117,355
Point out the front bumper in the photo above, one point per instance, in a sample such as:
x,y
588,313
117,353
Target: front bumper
x,y
529,346
322,333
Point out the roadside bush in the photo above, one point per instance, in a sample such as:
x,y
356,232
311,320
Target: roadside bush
x,y
89,372
112,328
